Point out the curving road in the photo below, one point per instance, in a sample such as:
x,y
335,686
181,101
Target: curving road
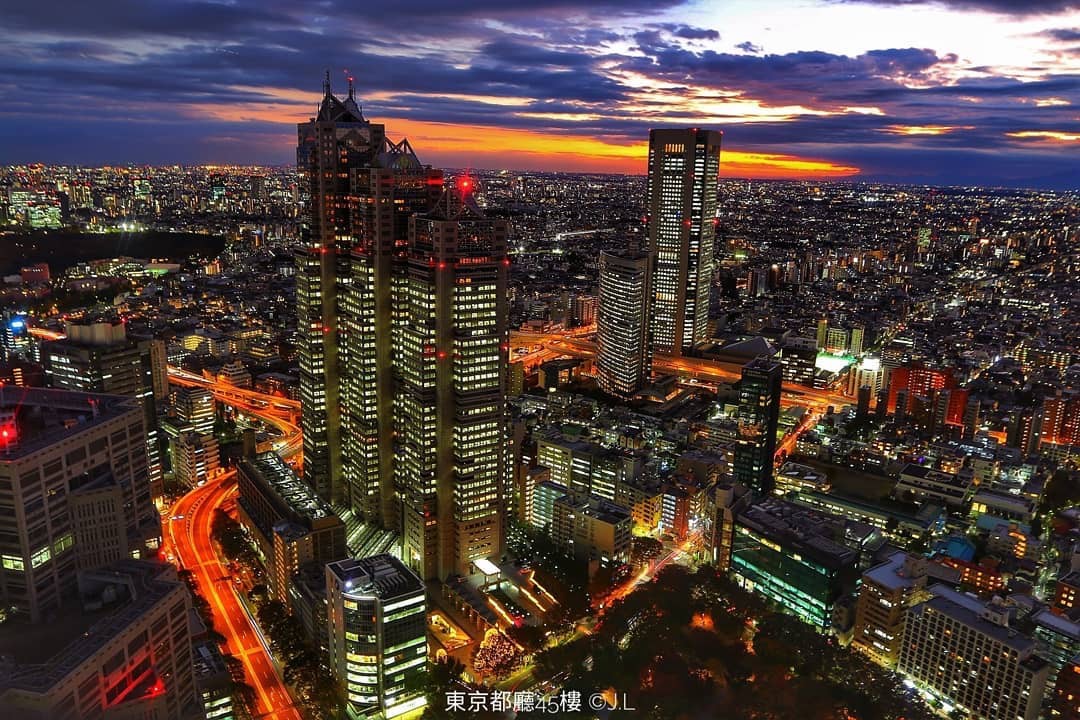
x,y
187,538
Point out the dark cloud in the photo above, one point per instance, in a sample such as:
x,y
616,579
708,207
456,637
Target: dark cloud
x,y
1065,35
121,80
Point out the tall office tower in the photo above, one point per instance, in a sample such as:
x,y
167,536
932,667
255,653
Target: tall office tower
x,y
622,328
78,492
377,634
98,357
332,148
759,416
362,190
450,411
965,653
398,187
822,333
683,169
123,650
195,408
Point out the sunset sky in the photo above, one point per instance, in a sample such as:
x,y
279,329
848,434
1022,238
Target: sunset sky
x,y
943,91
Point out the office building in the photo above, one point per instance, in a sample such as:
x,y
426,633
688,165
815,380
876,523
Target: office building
x,y
377,635
965,654
194,407
362,187
542,504
759,418
791,556
584,468
886,593
291,524
78,492
622,358
195,458
124,651
450,409
98,357
684,166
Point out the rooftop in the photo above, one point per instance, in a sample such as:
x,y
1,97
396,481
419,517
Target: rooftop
x,y
43,654
800,529
383,576
44,416
275,474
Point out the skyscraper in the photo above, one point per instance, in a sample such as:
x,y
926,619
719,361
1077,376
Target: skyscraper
x,y
759,416
402,317
623,358
683,170
450,406
362,187
332,148
98,357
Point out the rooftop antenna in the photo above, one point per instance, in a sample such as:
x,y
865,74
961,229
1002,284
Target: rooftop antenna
x,y
351,88
326,83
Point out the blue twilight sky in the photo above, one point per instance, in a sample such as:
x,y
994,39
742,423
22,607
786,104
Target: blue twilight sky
x,y
941,91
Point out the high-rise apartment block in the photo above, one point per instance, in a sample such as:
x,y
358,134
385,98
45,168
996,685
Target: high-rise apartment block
x,y
77,492
622,329
99,357
684,166
377,634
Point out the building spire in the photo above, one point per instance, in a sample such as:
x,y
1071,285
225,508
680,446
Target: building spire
x,y
326,84
351,88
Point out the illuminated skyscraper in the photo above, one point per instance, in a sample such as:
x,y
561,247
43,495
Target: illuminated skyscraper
x,y
402,319
363,187
622,326
759,416
450,412
332,148
377,635
683,170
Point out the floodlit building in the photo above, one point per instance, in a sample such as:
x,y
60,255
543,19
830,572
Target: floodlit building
x,y
886,593
965,653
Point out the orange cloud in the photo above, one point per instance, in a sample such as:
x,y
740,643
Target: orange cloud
x,y
1046,136
925,129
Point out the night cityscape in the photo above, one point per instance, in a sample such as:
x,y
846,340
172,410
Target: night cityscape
x,y
675,359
